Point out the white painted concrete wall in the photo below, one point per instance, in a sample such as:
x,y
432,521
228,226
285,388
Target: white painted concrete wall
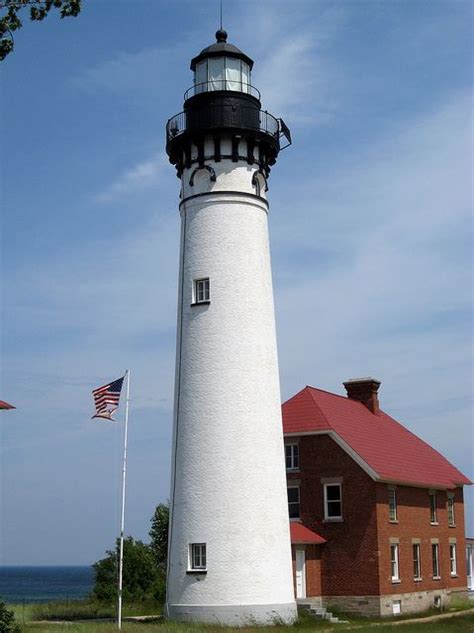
x,y
228,488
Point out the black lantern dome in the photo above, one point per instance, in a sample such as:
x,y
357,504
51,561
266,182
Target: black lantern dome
x,y
222,100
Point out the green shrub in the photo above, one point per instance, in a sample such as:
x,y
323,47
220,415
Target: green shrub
x,y
7,620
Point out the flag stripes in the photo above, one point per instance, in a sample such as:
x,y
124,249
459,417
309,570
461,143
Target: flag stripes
x,y
106,399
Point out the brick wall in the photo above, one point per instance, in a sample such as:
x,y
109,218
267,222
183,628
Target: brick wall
x,y
355,561
349,562
413,524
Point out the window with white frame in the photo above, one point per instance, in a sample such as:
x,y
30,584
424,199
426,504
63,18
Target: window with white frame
x,y
433,509
292,456
392,504
294,502
451,516
197,556
435,559
202,290
394,566
416,561
332,501
452,559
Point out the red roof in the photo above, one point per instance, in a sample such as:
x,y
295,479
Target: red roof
x,y
5,405
380,444
301,534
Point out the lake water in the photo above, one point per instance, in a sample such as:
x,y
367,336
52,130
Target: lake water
x,y
44,584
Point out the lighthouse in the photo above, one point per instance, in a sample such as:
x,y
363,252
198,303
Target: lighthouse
x,y
229,557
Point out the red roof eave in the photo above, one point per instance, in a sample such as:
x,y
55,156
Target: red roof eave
x,y
300,534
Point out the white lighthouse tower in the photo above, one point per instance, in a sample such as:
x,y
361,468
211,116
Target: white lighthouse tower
x,y
229,545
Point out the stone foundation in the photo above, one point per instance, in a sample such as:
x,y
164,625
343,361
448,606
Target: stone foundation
x,y
368,606
376,606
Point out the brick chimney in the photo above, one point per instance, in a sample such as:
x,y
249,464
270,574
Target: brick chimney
x,y
364,390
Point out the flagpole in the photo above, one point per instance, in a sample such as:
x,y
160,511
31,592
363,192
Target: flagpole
x,y
122,523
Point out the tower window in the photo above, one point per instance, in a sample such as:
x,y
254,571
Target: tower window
x,y
197,555
202,292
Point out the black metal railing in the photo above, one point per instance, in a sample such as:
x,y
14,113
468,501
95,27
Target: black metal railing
x,y
223,116
222,84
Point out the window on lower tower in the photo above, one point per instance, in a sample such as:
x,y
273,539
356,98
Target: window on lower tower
x,y
202,290
197,556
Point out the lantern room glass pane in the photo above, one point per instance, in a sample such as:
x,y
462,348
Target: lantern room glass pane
x,y
233,74
216,73
245,77
200,77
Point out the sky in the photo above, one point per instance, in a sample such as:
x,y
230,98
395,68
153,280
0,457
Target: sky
x,y
370,229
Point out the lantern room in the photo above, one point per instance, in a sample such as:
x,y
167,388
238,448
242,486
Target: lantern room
x,y
221,66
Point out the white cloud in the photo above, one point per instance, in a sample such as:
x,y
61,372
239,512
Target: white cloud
x,y
137,178
386,286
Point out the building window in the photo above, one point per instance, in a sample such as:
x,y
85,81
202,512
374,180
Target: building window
x,y
435,559
395,572
294,502
292,456
198,556
416,561
433,512
392,504
202,293
332,501
452,559
451,517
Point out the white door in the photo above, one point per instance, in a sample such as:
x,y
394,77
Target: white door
x,y
300,574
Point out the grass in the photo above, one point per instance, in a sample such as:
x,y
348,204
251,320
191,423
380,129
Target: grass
x,y
28,616
78,610
458,624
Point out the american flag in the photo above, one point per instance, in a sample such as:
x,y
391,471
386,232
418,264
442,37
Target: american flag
x,y
5,405
106,399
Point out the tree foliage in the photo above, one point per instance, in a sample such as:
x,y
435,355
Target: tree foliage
x,y
140,575
159,535
7,621
144,565
39,9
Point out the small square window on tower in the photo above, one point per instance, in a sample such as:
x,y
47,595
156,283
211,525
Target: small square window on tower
x,y
202,290
197,556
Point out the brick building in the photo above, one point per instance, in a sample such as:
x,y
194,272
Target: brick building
x,y
376,514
